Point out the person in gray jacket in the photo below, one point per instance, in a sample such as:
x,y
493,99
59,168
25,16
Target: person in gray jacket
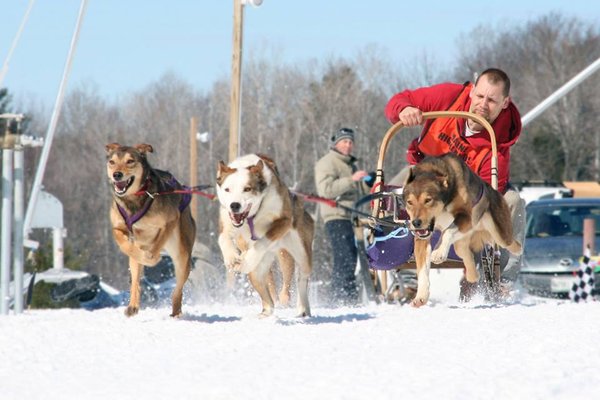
x,y
337,177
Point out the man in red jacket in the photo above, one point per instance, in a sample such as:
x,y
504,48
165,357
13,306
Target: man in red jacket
x,y
490,98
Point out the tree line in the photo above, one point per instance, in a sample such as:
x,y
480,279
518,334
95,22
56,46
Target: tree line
x,y
289,112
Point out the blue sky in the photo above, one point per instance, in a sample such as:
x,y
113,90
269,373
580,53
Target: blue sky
x,y
126,44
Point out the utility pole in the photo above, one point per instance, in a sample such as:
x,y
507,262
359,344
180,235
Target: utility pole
x,y
7,192
236,76
236,80
18,213
13,205
236,87
194,164
12,192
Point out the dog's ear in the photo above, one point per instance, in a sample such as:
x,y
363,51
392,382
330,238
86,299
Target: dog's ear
x,y
269,161
410,176
112,147
222,171
442,180
221,167
144,148
255,169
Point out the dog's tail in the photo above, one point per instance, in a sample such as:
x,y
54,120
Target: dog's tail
x,y
502,219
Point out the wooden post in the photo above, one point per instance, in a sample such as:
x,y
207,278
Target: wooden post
x,y
194,165
236,78
589,235
236,90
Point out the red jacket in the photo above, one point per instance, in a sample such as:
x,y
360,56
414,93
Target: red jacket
x,y
439,98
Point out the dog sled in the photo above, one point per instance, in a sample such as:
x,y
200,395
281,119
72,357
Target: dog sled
x,y
389,244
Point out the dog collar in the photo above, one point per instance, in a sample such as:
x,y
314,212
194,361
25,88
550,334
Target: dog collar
x,y
251,226
144,189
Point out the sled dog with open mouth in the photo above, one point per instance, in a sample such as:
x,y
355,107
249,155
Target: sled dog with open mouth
x,y
443,193
147,217
259,219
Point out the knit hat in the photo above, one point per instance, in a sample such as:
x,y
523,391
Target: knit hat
x,y
344,133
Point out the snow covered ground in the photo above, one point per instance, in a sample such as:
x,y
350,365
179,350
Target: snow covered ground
x,y
532,349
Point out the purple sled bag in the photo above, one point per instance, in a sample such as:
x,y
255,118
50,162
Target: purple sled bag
x,y
390,248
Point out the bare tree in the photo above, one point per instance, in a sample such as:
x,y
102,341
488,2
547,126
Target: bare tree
x,y
291,110
540,57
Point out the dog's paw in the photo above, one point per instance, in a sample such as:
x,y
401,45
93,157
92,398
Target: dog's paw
x,y
515,248
472,275
420,299
233,264
150,259
284,297
265,313
246,267
303,314
438,256
130,311
418,302
143,257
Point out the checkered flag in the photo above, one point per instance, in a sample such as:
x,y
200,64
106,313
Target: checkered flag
x,y
583,287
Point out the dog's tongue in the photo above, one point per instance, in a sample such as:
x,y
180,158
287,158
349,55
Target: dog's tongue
x,y
238,218
121,185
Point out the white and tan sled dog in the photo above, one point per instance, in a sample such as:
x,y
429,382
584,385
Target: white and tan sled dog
x,y
443,193
146,218
259,219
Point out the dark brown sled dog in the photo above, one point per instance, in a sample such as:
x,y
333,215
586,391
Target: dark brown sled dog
x,y
443,193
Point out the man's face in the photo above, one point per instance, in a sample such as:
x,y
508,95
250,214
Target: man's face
x,y
345,146
487,100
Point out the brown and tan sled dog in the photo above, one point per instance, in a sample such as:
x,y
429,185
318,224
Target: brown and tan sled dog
x,y
144,223
260,219
443,193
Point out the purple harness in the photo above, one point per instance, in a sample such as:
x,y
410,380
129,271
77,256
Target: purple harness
x,y
251,226
132,219
172,183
